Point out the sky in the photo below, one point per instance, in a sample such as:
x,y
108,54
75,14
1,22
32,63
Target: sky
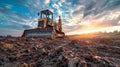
x,y
78,16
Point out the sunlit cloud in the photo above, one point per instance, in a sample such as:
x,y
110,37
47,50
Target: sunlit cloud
x,y
106,29
47,1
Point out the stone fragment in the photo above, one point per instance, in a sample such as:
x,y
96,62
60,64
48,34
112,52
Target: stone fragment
x,y
73,62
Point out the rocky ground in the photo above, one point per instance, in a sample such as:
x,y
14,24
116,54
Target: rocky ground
x,y
62,52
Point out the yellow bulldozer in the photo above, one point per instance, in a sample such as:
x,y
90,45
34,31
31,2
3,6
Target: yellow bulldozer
x,y
47,27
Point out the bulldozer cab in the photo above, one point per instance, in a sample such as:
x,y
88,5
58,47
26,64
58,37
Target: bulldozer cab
x,y
48,15
46,18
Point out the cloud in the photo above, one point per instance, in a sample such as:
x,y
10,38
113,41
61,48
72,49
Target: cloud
x,y
62,1
47,1
98,6
91,20
13,32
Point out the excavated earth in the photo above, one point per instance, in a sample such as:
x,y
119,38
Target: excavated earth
x,y
61,52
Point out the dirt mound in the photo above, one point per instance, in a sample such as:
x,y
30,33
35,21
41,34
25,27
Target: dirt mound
x,y
66,52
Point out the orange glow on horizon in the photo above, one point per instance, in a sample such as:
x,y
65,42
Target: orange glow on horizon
x,y
105,29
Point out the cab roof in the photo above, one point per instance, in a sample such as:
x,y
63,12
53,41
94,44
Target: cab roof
x,y
47,12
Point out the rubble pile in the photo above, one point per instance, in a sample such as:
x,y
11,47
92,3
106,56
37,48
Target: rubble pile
x,y
65,52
